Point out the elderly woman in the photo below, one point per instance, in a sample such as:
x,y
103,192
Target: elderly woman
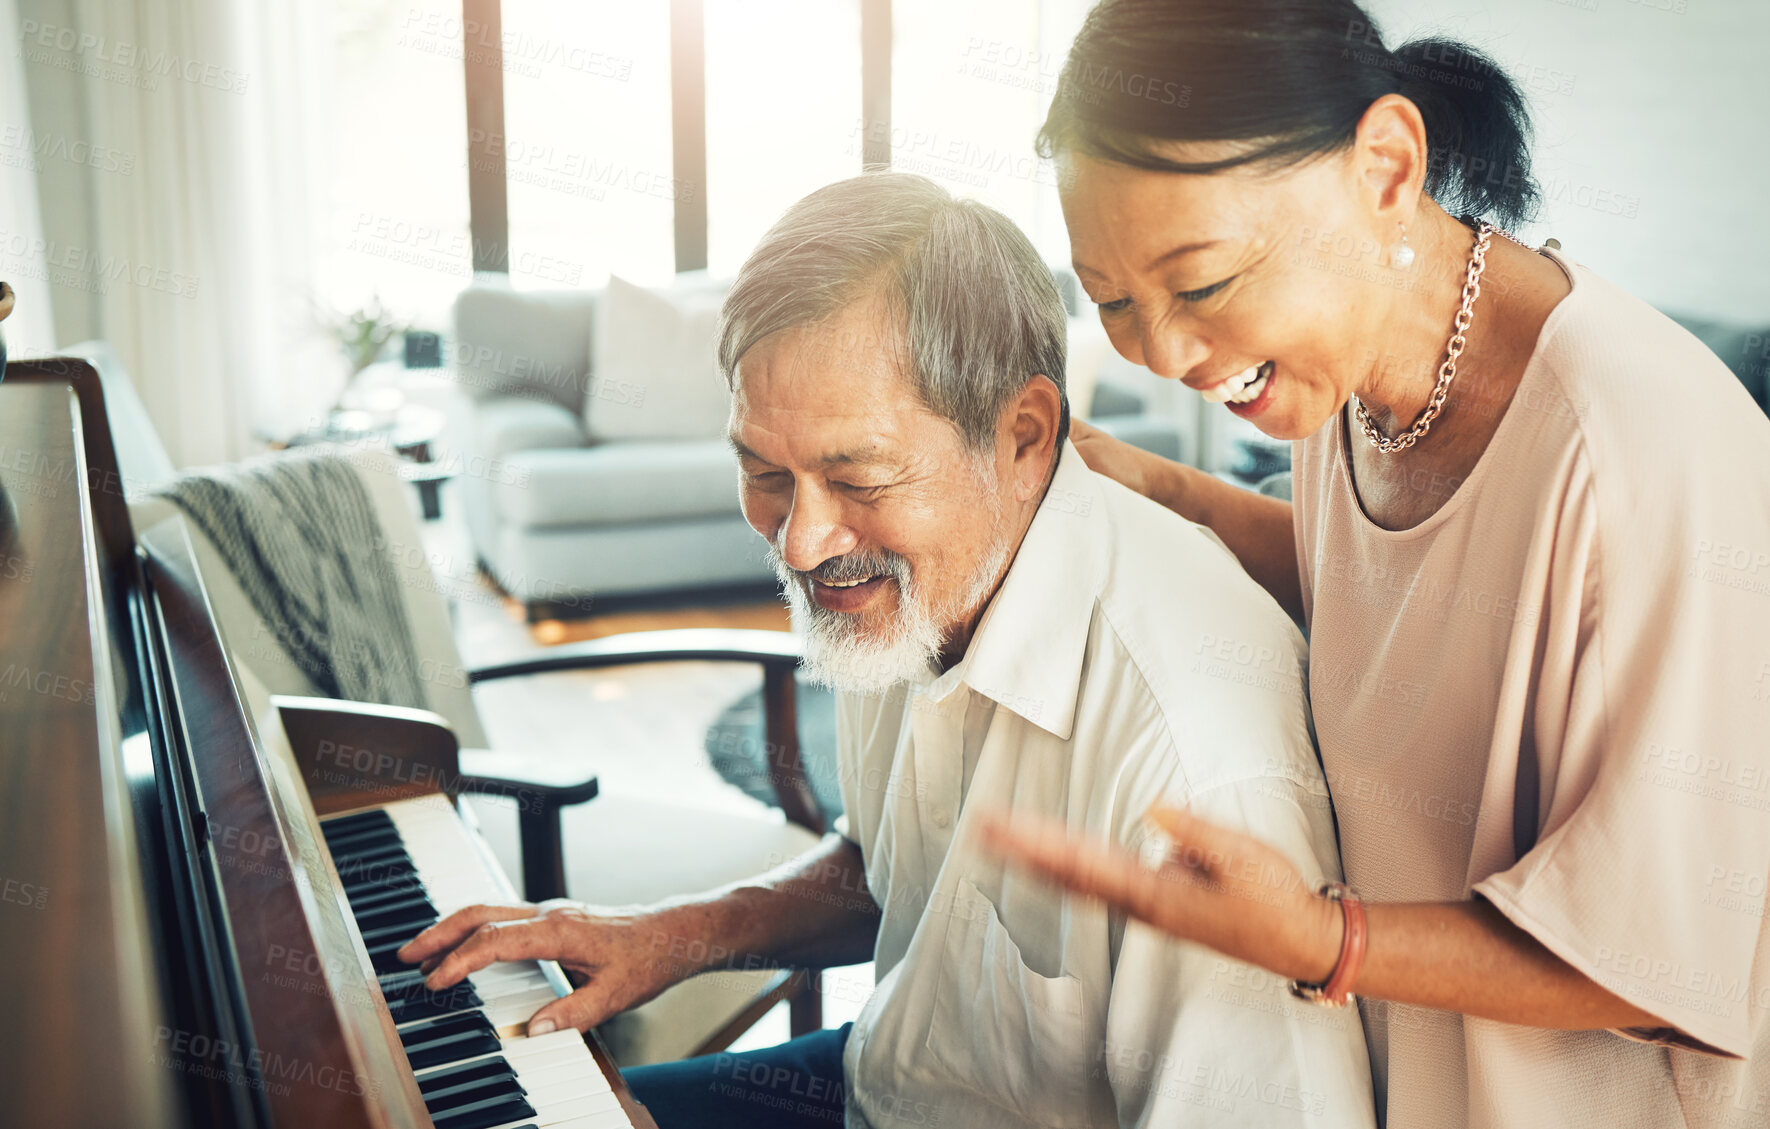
x,y
1530,539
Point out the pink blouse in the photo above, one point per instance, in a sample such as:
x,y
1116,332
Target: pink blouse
x,y
1554,693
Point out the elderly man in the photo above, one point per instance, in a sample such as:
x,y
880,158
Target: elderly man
x,y
1007,631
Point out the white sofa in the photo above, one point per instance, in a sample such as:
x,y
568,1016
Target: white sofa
x,y
580,483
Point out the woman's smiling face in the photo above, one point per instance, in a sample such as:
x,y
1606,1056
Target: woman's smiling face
x,y
1221,281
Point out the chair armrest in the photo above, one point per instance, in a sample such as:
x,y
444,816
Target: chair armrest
x,y
542,789
703,644
776,652
531,780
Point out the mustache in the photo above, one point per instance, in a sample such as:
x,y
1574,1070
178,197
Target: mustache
x,y
848,566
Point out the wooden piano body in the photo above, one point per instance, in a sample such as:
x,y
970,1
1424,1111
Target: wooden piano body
x,y
175,944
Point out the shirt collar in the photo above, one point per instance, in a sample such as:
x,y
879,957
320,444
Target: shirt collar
x,y
1027,652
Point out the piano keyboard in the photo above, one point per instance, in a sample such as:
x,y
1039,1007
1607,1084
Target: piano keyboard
x,y
403,867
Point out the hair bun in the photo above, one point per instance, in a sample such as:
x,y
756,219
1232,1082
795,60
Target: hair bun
x,y
1295,76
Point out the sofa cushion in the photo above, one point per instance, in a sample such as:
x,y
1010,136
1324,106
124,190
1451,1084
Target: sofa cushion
x,y
532,343
653,358
618,483
497,429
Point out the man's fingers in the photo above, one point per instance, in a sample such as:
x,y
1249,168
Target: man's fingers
x,y
581,1010
493,942
455,928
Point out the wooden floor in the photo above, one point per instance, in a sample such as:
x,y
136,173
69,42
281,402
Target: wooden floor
x,y
764,615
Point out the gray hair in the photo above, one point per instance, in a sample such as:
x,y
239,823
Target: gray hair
x,y
982,312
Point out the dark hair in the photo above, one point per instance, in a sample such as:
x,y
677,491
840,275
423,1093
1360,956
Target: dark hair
x,y
1291,78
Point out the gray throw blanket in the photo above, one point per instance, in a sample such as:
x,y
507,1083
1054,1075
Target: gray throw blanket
x,y
300,534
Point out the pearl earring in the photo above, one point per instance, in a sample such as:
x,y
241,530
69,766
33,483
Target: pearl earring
x,y
1401,256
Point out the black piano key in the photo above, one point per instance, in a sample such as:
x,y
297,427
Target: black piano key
x,y
483,1115
438,1042
384,960
367,836
365,841
419,1032
360,904
369,899
464,1072
335,832
440,1101
411,921
372,817
452,1048
374,870
424,1004
396,935
361,860
390,903
402,901
380,878
418,1002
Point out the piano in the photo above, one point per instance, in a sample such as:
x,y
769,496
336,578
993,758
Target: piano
x,y
198,919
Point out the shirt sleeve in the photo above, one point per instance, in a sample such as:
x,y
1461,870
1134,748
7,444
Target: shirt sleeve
x,y
1644,861
1194,1038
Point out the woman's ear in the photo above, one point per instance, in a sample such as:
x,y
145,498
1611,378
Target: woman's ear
x,y
1391,155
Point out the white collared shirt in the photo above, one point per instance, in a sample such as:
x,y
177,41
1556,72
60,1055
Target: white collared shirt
x,y
1126,659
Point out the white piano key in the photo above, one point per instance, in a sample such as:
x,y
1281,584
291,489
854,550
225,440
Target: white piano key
x,y
566,1086
568,1119
566,1091
554,1073
516,1010
550,1049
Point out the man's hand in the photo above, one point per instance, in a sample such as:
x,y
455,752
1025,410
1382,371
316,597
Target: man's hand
x,y
612,957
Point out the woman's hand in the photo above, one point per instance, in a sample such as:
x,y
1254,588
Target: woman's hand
x,y
1220,888
615,959
1114,458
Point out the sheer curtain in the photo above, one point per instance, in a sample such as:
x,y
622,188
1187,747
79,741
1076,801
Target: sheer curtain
x,y
195,246
31,327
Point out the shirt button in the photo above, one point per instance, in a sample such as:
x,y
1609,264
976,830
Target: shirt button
x,y
941,818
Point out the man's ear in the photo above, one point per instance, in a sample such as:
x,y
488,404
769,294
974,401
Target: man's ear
x,y
1034,416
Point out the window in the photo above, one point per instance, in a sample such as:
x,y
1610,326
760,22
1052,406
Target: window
x,y
587,151
398,184
971,80
783,113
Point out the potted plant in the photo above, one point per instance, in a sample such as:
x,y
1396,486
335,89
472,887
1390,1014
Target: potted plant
x,y
362,334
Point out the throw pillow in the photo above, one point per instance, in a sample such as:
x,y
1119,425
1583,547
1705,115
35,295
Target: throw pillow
x,y
652,370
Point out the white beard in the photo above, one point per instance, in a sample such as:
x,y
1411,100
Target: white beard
x,y
843,658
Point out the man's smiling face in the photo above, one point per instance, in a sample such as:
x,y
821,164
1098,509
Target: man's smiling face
x,y
889,532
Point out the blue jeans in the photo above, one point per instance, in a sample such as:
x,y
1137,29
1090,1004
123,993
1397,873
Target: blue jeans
x,y
798,1083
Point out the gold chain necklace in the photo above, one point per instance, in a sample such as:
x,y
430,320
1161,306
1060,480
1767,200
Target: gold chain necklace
x,y
1446,371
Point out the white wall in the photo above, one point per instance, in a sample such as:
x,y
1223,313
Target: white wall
x,y
1661,107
